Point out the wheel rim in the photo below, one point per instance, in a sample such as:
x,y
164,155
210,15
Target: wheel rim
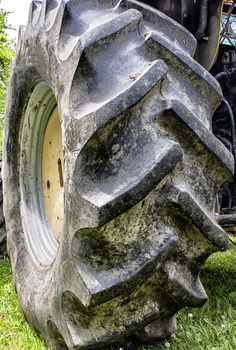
x,y
41,175
52,174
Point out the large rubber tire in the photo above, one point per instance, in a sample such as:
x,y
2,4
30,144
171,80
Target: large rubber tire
x,y
3,246
142,170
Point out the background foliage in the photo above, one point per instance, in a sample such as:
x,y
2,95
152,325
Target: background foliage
x,y
7,51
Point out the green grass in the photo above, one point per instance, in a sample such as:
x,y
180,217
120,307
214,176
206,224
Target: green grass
x,y
15,333
211,327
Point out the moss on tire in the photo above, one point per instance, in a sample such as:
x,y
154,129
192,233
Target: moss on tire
x,y
142,170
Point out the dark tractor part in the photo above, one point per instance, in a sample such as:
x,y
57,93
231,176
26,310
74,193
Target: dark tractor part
x,y
111,172
202,18
188,13
223,123
208,35
226,61
226,58
224,118
229,60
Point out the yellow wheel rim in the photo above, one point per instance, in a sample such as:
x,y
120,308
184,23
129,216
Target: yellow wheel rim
x,y
52,174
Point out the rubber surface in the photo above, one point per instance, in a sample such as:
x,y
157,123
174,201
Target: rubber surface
x,y
3,246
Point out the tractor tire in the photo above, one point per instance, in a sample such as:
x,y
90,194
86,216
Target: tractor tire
x,y
3,246
138,172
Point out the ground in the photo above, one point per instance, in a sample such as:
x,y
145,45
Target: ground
x,y
209,328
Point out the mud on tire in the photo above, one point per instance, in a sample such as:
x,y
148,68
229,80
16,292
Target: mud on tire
x,y
141,172
3,249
